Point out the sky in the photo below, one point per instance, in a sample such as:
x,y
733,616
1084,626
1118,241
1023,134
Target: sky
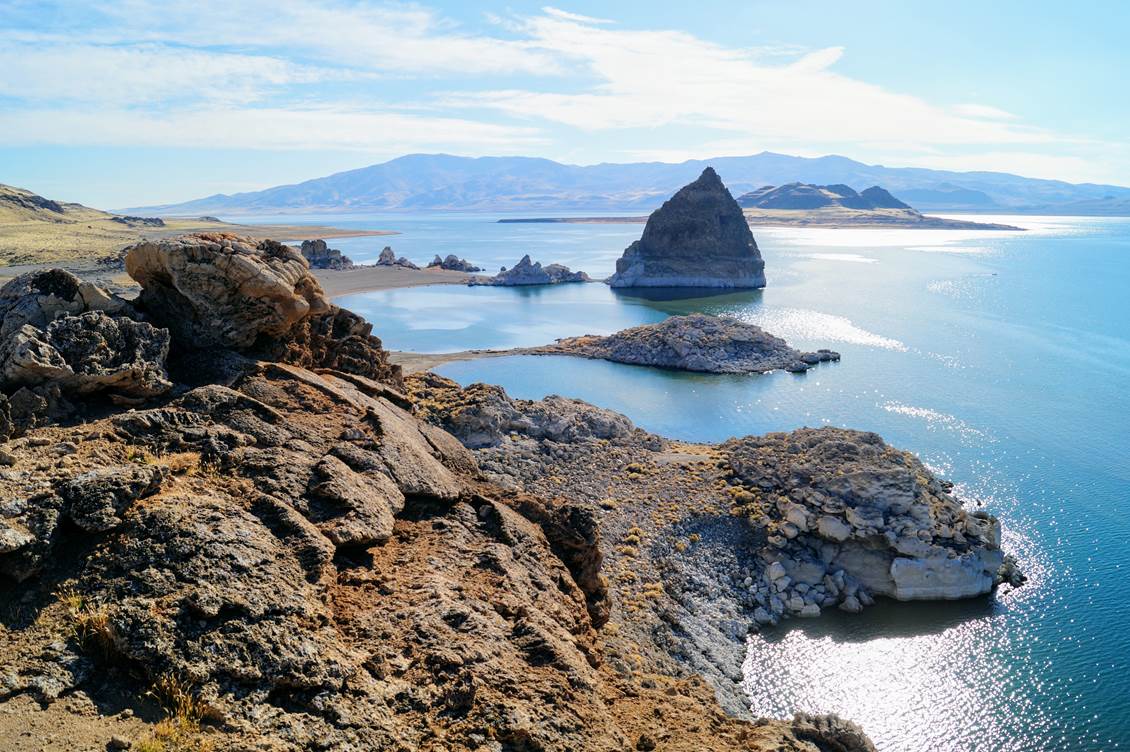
x,y
132,102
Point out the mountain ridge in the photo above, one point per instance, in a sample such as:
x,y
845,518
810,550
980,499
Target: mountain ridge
x,y
443,182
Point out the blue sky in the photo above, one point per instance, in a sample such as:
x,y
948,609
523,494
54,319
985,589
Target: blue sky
x,y
145,101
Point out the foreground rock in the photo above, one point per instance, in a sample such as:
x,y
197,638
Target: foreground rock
x,y
709,344
63,342
526,272
698,238
388,258
279,550
321,256
453,264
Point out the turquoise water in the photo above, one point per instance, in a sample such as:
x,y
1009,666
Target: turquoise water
x,y
1003,360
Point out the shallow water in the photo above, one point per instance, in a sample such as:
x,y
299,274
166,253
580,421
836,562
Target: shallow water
x,y
1002,359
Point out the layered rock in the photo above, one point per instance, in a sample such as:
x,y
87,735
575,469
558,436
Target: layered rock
x,y
698,238
708,344
388,258
849,517
453,263
257,297
321,256
527,272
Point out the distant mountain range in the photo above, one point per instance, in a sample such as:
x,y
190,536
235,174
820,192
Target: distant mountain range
x,y
441,182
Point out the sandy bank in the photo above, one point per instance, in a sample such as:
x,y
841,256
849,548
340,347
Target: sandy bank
x,y
374,278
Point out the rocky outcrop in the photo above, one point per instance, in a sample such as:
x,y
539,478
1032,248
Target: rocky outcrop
x,y
289,555
708,344
63,341
453,263
221,291
698,238
484,415
849,517
388,258
526,272
321,256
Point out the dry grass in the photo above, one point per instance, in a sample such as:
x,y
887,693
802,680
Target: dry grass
x,y
89,622
180,730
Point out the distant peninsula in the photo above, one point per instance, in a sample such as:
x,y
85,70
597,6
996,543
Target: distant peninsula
x,y
806,205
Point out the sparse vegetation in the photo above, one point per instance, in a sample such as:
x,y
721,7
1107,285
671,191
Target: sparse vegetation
x,y
89,622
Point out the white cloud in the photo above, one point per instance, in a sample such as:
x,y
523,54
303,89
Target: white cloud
x,y
646,79
146,73
304,74
338,128
367,35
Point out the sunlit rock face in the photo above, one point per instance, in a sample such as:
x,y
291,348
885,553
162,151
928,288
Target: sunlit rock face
x,y
698,238
847,517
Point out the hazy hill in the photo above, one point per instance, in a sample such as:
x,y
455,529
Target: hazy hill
x,y
499,184
35,230
803,196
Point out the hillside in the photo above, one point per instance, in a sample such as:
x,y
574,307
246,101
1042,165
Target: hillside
x,y
35,230
450,183
842,206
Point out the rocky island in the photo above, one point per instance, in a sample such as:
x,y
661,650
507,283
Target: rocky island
x,y
698,238
707,344
842,206
526,272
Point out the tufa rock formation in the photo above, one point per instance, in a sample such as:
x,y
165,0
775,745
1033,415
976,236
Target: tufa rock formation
x,y
711,540
254,297
709,344
388,258
698,238
526,272
453,263
62,339
321,256
279,550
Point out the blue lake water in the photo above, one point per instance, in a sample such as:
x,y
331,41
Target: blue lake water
x,y
1002,359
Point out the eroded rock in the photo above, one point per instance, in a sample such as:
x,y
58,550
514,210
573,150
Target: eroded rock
x,y
698,238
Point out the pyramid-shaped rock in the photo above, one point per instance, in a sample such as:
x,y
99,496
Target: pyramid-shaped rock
x,y
698,238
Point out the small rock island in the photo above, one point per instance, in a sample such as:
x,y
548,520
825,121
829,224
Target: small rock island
x,y
698,238
527,272
707,344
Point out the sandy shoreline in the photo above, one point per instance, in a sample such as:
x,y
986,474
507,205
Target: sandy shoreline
x,y
374,278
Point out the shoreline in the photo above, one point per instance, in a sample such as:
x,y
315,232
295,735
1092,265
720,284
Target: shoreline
x,y
360,279
802,219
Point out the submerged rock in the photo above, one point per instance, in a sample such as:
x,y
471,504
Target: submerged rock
x,y
698,238
709,344
526,272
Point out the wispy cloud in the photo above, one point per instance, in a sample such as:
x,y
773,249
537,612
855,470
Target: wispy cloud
x,y
382,77
645,79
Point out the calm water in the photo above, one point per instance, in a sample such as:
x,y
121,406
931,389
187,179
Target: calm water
x,y
1003,360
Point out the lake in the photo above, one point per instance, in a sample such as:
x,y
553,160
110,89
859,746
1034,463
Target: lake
x,y
1002,359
